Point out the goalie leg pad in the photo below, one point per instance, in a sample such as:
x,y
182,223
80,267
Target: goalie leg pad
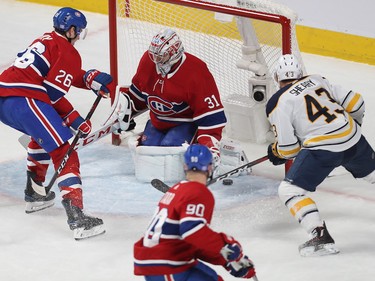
x,y
162,162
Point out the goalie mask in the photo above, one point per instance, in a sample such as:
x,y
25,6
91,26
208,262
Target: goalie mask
x,y
67,17
198,157
288,68
165,50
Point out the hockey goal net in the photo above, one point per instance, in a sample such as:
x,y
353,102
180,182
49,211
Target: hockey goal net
x,y
240,40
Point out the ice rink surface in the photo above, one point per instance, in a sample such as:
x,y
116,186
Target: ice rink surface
x,y
40,246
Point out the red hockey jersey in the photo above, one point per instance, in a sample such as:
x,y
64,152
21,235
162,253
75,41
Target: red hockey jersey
x,y
44,71
187,94
179,233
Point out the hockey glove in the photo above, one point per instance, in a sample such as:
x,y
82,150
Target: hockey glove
x,y
232,250
274,156
244,268
75,121
98,82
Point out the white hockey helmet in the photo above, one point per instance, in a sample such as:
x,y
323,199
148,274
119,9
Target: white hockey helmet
x,y
288,68
165,50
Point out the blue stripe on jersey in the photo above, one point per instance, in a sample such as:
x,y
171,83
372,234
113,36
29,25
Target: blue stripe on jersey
x,y
216,118
189,225
53,93
40,63
170,228
138,93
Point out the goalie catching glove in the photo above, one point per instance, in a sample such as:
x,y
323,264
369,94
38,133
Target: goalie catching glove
x,y
98,82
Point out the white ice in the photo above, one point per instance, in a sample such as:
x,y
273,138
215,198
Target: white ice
x,y
40,246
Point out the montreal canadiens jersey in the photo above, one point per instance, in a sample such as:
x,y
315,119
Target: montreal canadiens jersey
x,y
312,114
188,94
179,233
44,71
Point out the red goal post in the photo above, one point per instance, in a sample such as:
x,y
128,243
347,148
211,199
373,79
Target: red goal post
x,y
240,40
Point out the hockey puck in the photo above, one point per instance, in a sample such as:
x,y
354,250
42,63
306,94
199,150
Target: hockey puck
x,y
227,181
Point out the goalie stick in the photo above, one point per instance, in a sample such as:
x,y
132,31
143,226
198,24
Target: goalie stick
x,y
161,186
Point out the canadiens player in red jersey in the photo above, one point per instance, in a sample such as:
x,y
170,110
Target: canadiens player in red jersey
x,y
179,237
181,94
32,101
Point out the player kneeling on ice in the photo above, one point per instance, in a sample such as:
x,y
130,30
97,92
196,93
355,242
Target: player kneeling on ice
x,y
184,104
320,125
179,237
32,101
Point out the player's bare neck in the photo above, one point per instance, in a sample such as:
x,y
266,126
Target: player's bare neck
x,y
200,177
285,82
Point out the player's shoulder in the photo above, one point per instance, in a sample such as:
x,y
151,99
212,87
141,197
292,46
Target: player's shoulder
x,y
58,44
195,61
193,189
146,62
275,98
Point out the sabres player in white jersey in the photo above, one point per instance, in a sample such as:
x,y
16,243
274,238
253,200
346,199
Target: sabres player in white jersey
x,y
179,236
319,125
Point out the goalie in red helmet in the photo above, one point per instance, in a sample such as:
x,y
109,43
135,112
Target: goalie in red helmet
x,y
181,94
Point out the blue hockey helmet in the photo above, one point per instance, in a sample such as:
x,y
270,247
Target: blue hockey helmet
x,y
198,158
67,17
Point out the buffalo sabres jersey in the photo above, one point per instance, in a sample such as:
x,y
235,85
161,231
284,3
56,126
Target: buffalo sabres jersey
x,y
312,114
187,94
179,233
44,71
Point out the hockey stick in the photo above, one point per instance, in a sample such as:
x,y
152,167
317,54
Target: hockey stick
x,y
106,129
24,140
161,186
71,147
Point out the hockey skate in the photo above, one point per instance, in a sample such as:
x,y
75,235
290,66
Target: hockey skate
x,y
35,195
83,226
321,244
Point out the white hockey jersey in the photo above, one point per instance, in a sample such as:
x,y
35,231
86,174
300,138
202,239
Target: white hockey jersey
x,y
312,114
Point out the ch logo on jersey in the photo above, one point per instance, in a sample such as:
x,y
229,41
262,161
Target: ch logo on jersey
x,y
163,108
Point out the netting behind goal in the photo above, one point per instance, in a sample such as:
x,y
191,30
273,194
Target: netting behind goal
x,y
239,40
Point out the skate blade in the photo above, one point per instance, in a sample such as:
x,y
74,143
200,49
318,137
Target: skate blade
x,y
320,250
32,207
82,233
